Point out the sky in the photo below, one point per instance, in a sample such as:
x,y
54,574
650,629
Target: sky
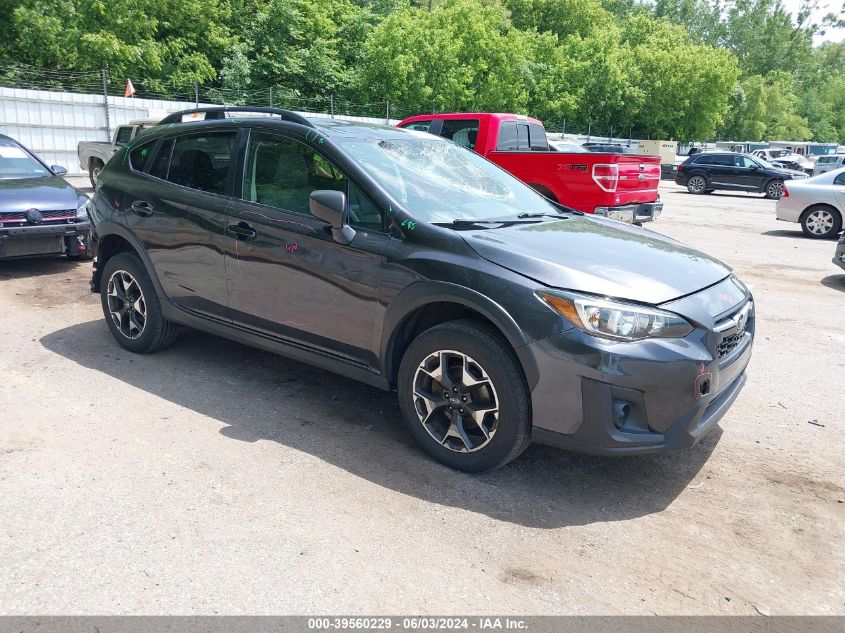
x,y
825,7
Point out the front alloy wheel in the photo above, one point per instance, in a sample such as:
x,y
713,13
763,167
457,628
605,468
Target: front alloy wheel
x,y
697,184
126,304
463,396
456,401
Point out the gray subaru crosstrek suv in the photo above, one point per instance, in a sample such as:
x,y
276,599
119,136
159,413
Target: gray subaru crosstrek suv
x,y
405,261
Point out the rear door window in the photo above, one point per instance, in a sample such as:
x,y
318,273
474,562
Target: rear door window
x,y
161,161
715,159
537,138
508,141
462,131
203,161
840,180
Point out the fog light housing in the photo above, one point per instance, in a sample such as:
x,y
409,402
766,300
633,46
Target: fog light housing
x,y
621,412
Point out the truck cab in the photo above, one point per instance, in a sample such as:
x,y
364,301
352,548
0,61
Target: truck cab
x,y
619,186
93,155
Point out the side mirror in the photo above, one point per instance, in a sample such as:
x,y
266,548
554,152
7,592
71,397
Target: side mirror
x,y
58,170
330,206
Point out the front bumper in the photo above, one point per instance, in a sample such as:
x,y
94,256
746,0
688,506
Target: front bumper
x,y
616,398
630,213
43,239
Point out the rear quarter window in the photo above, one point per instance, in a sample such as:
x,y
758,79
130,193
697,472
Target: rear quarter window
x,y
139,156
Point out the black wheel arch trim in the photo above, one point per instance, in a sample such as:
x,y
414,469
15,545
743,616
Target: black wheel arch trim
x,y
423,293
108,228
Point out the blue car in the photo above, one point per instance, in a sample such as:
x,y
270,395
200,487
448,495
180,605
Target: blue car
x,y
40,212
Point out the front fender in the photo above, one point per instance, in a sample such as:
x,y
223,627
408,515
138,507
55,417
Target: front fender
x,y
423,293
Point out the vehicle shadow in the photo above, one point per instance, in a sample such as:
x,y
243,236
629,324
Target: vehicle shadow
x,y
797,234
837,282
261,396
720,194
38,266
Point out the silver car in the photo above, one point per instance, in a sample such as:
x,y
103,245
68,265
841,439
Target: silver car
x,y
817,203
828,163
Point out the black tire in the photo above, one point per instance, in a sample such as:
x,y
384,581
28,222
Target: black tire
x,y
157,333
774,190
509,434
697,184
95,166
821,222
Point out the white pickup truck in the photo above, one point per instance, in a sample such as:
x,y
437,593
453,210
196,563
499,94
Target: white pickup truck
x,y
93,155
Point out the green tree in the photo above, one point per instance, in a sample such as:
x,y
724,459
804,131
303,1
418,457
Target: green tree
x,y
461,55
683,88
163,40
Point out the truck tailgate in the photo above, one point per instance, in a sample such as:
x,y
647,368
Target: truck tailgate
x,y
586,181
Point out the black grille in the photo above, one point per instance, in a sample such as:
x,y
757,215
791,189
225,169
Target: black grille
x,y
729,343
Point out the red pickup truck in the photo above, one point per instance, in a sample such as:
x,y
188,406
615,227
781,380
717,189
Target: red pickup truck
x,y
620,186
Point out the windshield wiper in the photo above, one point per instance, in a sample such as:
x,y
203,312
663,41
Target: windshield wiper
x,y
503,221
559,216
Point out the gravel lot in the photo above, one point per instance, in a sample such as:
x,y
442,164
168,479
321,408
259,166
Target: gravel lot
x,y
214,478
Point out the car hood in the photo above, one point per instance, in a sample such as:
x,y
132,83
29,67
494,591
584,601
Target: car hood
x,y
48,193
599,256
791,172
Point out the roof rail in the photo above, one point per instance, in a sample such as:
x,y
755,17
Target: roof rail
x,y
219,112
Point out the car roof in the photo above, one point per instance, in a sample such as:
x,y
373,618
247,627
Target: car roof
x,y
274,118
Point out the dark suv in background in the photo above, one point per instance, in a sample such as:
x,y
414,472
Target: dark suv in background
x,y
408,262
706,172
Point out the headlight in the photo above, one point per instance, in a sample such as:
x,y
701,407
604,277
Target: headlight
x,y
616,320
82,212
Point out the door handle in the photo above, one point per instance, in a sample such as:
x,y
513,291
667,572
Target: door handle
x,y
142,208
241,231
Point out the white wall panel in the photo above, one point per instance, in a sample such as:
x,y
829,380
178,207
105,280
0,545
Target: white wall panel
x,y
53,123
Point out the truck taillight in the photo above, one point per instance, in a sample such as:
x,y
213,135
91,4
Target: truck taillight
x,y
606,176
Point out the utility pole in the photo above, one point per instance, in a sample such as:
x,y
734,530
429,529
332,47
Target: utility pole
x,y
387,112
196,95
331,106
105,74
271,96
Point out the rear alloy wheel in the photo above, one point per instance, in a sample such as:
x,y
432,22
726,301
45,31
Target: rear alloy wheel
x,y
132,308
126,304
774,190
821,223
463,396
697,184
